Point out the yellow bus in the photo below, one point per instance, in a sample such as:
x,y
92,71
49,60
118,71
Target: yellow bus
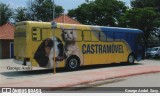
x,y
37,43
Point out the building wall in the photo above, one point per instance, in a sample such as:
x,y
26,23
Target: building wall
x,y
0,50
6,48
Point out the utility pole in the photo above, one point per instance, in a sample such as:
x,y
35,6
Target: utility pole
x,y
54,45
0,17
30,12
53,10
0,13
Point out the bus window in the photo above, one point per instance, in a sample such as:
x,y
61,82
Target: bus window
x,y
102,37
124,36
110,36
36,34
118,36
45,33
95,36
87,35
59,33
79,35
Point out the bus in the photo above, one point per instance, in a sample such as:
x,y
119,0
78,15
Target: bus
x,y
75,45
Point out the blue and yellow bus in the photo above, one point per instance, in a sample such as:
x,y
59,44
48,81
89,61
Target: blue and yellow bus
x,y
37,43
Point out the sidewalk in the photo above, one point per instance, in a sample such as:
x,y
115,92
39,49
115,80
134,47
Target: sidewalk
x,y
70,79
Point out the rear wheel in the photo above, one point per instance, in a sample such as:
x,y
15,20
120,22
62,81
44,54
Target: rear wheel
x,y
73,63
131,59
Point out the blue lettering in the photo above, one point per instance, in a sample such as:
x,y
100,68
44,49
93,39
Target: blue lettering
x,y
100,48
95,49
104,49
92,49
84,49
88,48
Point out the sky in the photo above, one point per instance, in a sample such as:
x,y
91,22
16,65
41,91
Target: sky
x,y
66,4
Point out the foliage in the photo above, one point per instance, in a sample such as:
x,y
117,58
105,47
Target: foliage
x,y
141,18
154,23
21,14
146,3
43,10
99,12
5,13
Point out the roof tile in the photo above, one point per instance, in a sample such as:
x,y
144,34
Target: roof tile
x,y
7,31
66,19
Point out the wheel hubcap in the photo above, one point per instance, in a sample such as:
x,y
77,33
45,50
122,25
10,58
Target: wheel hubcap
x,y
73,63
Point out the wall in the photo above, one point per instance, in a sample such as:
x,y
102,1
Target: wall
x,y
0,49
6,48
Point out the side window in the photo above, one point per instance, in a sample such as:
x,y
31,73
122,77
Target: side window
x,y
87,35
79,35
36,34
159,51
110,36
118,36
58,33
95,36
124,36
45,33
103,36
73,34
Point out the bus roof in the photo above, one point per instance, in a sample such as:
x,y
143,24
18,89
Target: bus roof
x,y
104,28
119,29
32,22
110,29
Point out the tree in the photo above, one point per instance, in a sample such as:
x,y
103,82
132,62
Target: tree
x,y
156,33
21,14
146,3
5,13
142,3
155,5
43,10
99,12
141,18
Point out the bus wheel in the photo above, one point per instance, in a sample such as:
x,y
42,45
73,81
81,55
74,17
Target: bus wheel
x,y
73,63
131,59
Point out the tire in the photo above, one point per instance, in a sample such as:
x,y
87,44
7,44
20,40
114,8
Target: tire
x,y
131,59
72,63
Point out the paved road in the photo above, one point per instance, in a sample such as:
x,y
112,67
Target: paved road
x,y
45,77
147,80
144,80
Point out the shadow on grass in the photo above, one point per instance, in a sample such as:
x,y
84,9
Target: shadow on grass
x,y
31,73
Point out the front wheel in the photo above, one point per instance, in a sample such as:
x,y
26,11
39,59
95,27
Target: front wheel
x,y
72,64
131,59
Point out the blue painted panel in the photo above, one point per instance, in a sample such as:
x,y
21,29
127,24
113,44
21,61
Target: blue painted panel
x,y
127,34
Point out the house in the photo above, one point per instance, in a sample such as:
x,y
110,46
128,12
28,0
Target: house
x,y
6,41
